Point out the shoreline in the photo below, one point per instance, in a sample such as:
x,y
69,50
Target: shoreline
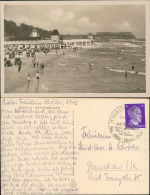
x,y
70,73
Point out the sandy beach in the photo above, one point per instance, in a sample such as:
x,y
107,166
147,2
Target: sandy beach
x,y
71,73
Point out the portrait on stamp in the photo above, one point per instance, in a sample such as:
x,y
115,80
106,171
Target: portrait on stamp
x,y
134,116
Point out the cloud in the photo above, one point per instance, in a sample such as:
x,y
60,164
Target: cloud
x,y
85,22
70,15
58,18
80,19
59,15
124,26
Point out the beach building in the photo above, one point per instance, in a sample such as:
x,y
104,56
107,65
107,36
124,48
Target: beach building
x,y
90,36
55,36
77,40
34,34
54,41
34,41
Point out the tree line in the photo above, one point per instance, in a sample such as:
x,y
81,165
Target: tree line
x,y
23,31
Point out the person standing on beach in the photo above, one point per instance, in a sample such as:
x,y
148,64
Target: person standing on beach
x,y
63,54
56,52
126,74
38,78
41,68
90,65
28,80
34,56
37,64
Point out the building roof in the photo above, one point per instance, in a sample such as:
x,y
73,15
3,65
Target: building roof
x,y
34,30
55,32
70,37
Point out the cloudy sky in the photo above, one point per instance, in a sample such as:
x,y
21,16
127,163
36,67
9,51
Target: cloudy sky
x,y
78,19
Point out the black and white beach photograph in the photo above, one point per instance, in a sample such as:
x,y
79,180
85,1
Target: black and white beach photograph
x,y
87,48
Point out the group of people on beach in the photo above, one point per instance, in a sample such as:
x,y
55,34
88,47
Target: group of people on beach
x,y
37,76
126,72
119,50
35,64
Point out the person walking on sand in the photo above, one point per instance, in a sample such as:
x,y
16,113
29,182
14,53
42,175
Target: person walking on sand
x,y
37,78
34,63
42,66
19,66
28,80
37,64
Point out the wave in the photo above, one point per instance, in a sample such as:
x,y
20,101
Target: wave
x,y
44,87
73,56
62,64
131,45
123,71
116,70
92,64
142,73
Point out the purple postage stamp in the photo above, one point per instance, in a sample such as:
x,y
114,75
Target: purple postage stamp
x,y
134,116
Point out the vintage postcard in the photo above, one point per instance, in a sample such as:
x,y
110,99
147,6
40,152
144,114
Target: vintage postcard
x,y
74,146
75,49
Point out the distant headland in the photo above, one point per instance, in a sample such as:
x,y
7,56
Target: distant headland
x,y
23,32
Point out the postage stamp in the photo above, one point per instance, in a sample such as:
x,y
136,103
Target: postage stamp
x,y
134,116
126,122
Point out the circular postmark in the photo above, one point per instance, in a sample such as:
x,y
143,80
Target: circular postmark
x,y
118,129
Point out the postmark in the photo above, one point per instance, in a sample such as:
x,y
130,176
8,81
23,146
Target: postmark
x,y
118,123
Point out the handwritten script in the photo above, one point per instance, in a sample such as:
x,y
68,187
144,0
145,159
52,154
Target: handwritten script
x,y
37,146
